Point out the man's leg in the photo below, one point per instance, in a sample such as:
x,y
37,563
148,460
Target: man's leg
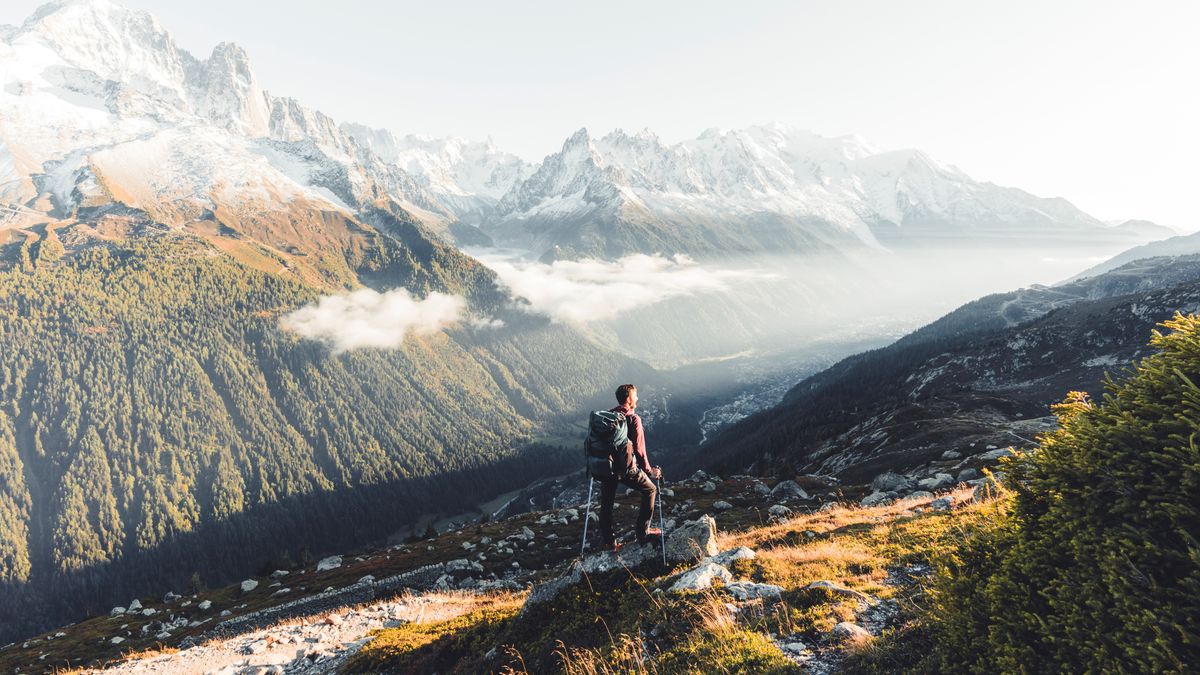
x,y
643,484
608,492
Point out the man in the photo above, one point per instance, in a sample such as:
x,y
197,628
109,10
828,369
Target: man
x,y
636,471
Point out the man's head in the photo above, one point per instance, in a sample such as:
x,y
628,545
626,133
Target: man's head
x,y
627,395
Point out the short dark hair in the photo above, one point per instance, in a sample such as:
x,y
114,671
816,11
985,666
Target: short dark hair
x,y
623,392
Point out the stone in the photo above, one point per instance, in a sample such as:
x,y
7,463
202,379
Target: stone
x,y
528,533
149,611
225,612
839,589
745,590
951,454
204,605
330,563
921,494
367,579
249,585
890,481
943,504
700,577
759,487
994,454
722,505
727,557
788,489
709,487
279,574
936,482
694,540
256,647
795,648
848,630
967,474
135,605
876,499
117,640
463,565
282,591
163,635
779,511
333,620
171,597
117,611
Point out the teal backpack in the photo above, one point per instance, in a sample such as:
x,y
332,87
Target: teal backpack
x,y
604,448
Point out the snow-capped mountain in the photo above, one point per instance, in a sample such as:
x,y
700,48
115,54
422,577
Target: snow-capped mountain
x,y
764,188
98,104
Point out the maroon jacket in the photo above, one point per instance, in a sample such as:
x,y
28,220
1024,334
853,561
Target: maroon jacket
x,y
637,440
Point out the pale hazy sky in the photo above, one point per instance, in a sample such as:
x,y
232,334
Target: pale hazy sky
x,y
1098,102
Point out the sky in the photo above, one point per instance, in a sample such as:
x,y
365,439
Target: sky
x,y
1094,101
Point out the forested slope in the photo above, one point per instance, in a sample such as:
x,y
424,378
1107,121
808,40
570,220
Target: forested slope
x,y
157,423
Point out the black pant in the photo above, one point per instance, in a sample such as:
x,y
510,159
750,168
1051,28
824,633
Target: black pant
x,y
608,491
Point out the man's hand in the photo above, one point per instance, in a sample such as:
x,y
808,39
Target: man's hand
x,y
656,472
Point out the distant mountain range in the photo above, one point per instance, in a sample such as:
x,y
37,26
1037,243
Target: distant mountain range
x,y
98,104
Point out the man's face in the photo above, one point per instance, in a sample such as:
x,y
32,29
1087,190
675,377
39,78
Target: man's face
x,y
632,400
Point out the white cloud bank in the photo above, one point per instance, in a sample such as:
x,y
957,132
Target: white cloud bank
x,y
368,318
593,290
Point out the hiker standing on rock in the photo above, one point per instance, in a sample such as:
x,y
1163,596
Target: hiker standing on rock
x,y
636,473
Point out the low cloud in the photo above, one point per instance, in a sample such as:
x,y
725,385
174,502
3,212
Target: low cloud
x,y
368,318
593,290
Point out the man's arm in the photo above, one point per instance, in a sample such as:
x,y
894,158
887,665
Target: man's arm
x,y
639,443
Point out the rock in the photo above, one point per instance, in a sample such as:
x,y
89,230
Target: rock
x,y
170,597
709,487
282,591
726,557
367,579
333,620
744,590
149,611
921,494
694,540
256,647
794,648
839,589
528,533
827,506
117,640
700,577
890,481
135,605
951,454
788,489
279,574
116,611
992,455
936,482
722,505
225,612
759,487
847,630
330,563
698,477
967,474
249,585
943,504
779,511
204,605
876,499
463,565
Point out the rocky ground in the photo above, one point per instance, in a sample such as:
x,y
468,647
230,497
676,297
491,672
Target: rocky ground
x,y
726,536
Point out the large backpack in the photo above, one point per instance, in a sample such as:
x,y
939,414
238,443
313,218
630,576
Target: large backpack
x,y
604,448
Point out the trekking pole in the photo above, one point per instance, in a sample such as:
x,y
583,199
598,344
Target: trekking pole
x,y
663,537
587,517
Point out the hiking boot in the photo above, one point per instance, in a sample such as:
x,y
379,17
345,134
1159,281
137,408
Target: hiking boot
x,y
651,534
614,547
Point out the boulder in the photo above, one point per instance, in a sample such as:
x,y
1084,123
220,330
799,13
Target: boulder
x,y
463,565
921,494
951,454
779,511
993,455
279,574
249,585
877,499
987,489
135,605
117,611
890,481
847,630
967,474
943,504
527,533
722,505
788,489
727,557
700,577
709,487
330,563
760,488
744,590
936,482
694,540
117,640
204,604
171,597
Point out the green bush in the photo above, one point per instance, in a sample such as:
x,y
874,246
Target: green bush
x,y
1097,567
